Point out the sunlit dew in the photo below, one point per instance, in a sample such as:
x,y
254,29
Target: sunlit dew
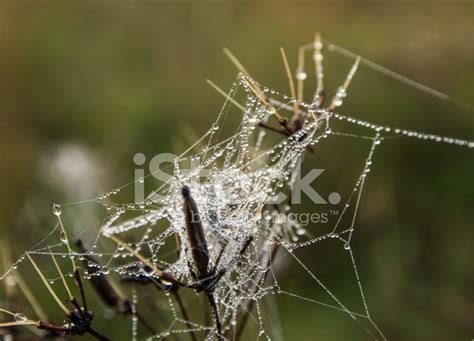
x,y
56,210
20,317
301,75
237,183
63,236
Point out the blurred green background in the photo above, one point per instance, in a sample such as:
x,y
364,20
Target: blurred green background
x,y
86,85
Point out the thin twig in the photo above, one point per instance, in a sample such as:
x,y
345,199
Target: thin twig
x,y
290,77
48,286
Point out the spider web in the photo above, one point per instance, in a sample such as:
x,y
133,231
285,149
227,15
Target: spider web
x,y
235,181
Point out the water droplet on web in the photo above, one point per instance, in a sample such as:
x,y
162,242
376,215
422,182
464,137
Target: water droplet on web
x,y
56,210
215,126
20,317
63,237
301,75
341,92
347,246
218,151
253,119
318,57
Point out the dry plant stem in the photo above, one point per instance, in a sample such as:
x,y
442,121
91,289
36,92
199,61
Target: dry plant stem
x,y
48,326
297,119
48,286
97,334
30,297
63,230
222,92
206,279
80,284
107,291
71,298
199,251
81,311
19,324
161,274
60,274
235,61
299,71
215,310
281,120
6,260
196,238
7,330
290,77
77,275
269,127
318,67
239,66
347,81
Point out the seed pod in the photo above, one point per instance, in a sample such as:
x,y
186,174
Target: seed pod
x,y
195,233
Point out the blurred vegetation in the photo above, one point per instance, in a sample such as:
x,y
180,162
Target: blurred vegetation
x,y
104,80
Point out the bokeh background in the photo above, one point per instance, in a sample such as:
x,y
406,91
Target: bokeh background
x,y
84,85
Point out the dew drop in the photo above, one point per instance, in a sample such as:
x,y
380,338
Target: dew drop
x,y
347,246
63,237
301,75
253,119
318,57
218,151
56,210
20,317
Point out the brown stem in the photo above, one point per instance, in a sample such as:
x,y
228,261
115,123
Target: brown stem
x,y
51,327
97,334
215,311
104,288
